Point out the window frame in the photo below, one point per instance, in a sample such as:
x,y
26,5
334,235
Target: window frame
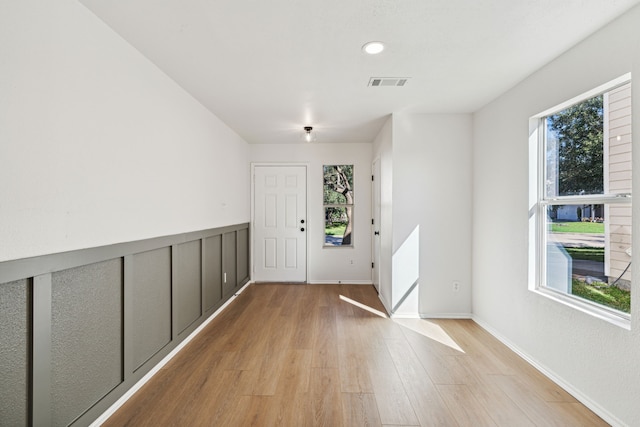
x,y
344,205
539,203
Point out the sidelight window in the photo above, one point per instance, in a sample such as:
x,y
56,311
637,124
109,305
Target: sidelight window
x,y
338,205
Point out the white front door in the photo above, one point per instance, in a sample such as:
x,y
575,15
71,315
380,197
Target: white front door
x,y
280,223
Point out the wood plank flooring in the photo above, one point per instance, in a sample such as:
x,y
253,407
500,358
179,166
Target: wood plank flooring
x,y
306,355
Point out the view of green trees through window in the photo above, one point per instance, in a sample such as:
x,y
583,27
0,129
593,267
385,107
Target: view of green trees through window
x,y
574,144
587,194
338,205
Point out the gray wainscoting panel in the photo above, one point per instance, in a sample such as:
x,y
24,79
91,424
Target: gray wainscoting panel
x,y
187,276
14,353
243,255
78,329
151,307
212,271
229,264
86,335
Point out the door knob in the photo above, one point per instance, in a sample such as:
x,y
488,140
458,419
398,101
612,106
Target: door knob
x,y
302,229
377,233
302,221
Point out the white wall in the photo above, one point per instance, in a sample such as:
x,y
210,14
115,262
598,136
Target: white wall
x,y
330,264
594,359
98,146
432,214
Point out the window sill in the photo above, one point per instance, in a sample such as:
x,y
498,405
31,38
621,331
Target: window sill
x,y
621,320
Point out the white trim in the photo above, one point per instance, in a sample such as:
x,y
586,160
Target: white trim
x,y
446,315
605,170
123,399
375,196
340,282
606,160
405,316
606,124
599,311
337,205
612,199
585,400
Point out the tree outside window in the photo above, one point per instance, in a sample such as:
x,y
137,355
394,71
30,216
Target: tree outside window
x,y
575,149
338,205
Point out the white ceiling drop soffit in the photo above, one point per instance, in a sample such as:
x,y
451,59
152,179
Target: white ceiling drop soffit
x,y
388,81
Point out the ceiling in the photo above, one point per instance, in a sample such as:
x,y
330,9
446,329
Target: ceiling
x,y
268,68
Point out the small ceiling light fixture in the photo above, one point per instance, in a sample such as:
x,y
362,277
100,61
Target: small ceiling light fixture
x,y
308,136
373,48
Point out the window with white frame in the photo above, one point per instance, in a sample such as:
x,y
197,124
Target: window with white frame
x,y
338,205
581,218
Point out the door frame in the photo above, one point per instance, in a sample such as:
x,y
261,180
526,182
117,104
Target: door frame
x,y
252,222
375,240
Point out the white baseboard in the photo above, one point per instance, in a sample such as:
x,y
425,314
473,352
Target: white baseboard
x,y
586,401
405,316
431,315
118,403
340,282
446,315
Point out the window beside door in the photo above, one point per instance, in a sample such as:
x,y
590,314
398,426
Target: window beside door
x,y
338,204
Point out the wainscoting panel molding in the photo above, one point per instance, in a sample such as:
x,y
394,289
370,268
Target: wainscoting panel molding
x,y
80,328
212,272
187,279
86,337
229,260
151,300
14,352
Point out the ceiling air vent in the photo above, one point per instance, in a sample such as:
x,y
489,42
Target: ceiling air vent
x,y
388,81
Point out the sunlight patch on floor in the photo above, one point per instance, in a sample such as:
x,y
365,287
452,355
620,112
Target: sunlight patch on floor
x,y
421,326
362,306
429,330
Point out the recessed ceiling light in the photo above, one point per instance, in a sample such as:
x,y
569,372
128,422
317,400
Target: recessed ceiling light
x,y
373,48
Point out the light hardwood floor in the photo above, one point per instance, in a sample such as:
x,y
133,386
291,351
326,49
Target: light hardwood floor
x,y
308,355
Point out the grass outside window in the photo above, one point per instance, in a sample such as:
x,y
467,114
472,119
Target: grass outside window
x,y
599,292
577,227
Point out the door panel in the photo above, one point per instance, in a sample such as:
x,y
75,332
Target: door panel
x,y
280,242
291,211
291,252
270,210
270,253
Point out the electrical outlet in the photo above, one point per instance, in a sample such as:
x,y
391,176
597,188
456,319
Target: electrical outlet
x,y
456,286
